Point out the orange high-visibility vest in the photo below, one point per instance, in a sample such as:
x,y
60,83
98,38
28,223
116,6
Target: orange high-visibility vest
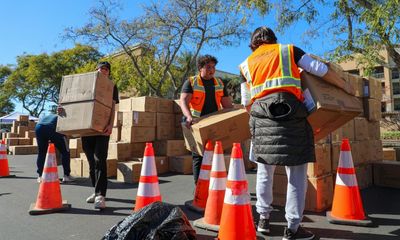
x,y
271,68
199,95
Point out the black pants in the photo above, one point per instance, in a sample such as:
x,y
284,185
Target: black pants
x,y
96,150
197,159
44,134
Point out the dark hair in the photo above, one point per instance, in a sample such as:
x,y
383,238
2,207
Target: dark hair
x,y
260,36
104,64
203,60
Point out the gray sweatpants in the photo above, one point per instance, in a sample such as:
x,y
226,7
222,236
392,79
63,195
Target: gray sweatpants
x,y
295,195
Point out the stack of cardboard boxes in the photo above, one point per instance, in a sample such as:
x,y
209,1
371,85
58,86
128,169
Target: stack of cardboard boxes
x,y
139,120
22,136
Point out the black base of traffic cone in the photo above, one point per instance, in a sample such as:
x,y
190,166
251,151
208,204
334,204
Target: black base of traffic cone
x,y
366,222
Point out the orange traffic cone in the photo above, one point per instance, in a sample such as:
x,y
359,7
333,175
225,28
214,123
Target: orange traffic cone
x,y
49,196
4,170
201,194
347,207
216,192
148,190
237,218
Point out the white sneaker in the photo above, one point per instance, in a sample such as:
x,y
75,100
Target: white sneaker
x,y
39,180
99,202
91,198
67,179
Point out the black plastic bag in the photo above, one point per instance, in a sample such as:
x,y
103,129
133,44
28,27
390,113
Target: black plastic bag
x,y
157,221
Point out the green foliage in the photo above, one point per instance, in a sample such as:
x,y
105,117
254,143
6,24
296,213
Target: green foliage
x,y
393,135
169,29
6,105
356,29
36,80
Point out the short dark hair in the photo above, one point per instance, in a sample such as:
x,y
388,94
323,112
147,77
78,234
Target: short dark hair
x,y
260,36
104,64
203,60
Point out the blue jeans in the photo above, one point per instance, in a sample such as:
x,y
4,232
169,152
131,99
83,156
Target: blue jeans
x,y
44,134
295,195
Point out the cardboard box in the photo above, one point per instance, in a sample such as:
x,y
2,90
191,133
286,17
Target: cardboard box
x,y
139,119
115,134
76,143
165,105
374,88
120,151
30,134
322,166
165,126
23,118
319,192
357,82
360,129
12,141
86,87
129,172
170,148
374,130
386,174
111,167
389,154
76,167
227,126
181,164
162,163
23,150
83,119
372,109
364,175
345,131
25,141
329,106
138,134
11,135
140,104
22,129
137,149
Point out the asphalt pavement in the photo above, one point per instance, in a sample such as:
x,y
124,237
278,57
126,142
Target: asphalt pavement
x,y
83,222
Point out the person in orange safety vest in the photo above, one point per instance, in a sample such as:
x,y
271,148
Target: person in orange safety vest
x,y
281,134
201,95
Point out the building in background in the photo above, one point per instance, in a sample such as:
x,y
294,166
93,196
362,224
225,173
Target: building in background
x,y
389,75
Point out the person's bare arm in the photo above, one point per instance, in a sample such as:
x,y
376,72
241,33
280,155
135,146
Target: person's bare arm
x,y
184,103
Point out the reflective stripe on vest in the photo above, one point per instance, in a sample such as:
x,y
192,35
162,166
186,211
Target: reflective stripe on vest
x,y
288,80
198,87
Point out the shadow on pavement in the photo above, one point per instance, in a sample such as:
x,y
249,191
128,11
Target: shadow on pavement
x,y
107,211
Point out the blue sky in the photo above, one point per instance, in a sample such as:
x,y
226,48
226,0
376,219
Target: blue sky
x,y
35,27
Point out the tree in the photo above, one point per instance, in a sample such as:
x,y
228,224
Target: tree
x,y
36,80
359,29
169,29
6,105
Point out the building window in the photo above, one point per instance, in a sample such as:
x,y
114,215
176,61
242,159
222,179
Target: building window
x,y
395,74
397,104
378,72
396,88
354,71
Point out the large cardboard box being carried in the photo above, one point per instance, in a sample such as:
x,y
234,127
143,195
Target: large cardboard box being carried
x,y
87,100
83,119
86,87
227,126
329,106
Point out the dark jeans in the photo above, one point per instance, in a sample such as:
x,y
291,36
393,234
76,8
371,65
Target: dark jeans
x,y
44,134
96,150
197,159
